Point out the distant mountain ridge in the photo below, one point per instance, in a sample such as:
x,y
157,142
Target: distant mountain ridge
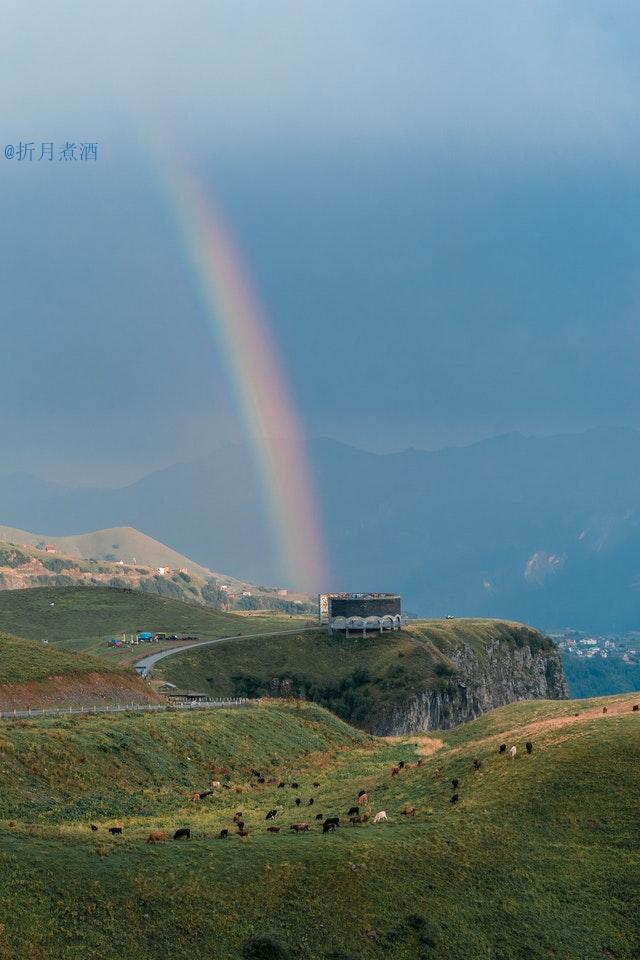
x,y
538,529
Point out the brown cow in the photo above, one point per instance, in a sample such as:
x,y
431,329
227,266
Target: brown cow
x,y
156,836
395,771
299,827
237,817
363,800
409,811
273,829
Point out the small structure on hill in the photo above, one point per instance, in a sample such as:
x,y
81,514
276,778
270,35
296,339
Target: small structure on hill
x,y
360,612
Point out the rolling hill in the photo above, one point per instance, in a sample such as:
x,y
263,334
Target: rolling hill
x,y
82,618
538,859
123,556
433,674
37,675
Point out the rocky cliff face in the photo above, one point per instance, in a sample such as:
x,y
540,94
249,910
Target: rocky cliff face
x,y
505,673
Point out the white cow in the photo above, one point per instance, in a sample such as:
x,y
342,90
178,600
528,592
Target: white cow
x,y
512,752
379,817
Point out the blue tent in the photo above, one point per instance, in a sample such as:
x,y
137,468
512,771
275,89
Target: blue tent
x,y
144,635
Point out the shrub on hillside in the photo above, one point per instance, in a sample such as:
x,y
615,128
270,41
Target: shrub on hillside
x,y
265,946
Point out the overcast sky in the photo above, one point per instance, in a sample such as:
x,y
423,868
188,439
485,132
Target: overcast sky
x,y
438,202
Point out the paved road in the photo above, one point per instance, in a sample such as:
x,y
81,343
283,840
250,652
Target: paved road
x,y
145,665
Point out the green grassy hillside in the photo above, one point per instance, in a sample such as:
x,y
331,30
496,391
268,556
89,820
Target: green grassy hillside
x,y
360,679
34,674
80,618
538,859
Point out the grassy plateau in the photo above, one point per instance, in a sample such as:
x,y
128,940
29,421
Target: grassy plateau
x,y
538,858
81,618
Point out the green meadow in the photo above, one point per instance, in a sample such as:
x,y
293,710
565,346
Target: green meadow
x,y
538,859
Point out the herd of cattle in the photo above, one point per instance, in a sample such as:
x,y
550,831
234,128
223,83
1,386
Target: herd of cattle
x,y
359,813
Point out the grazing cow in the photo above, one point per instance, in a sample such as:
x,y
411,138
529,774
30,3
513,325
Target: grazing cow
x,y
319,816
299,827
380,816
195,797
513,752
354,820
604,709
361,793
502,748
366,815
402,764
436,774
328,826
362,800
281,785
256,773
316,783
353,811
183,833
409,811
635,707
260,779
395,771
298,801
114,830
294,786
237,817
242,832
311,801
223,834
271,815
273,829
156,836
529,746
216,784
93,826
454,784
477,763
454,798
334,820
204,793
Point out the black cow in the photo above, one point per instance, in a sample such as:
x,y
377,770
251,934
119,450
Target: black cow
x,y
528,746
328,826
477,763
114,830
281,785
240,826
454,784
271,815
294,786
635,708
454,798
93,826
256,773
361,793
319,816
311,802
184,833
260,779
298,801
502,748
353,810
223,834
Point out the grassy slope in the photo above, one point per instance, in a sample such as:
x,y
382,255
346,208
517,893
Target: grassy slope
x,y
123,543
80,618
398,664
25,661
538,859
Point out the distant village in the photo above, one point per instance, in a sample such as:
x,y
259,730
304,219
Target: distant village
x,y
625,647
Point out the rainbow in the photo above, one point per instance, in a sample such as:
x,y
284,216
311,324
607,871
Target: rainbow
x,y
236,316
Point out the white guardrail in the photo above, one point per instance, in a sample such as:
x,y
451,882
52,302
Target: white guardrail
x,y
126,708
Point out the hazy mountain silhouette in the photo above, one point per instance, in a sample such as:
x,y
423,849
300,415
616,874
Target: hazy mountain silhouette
x,y
539,529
